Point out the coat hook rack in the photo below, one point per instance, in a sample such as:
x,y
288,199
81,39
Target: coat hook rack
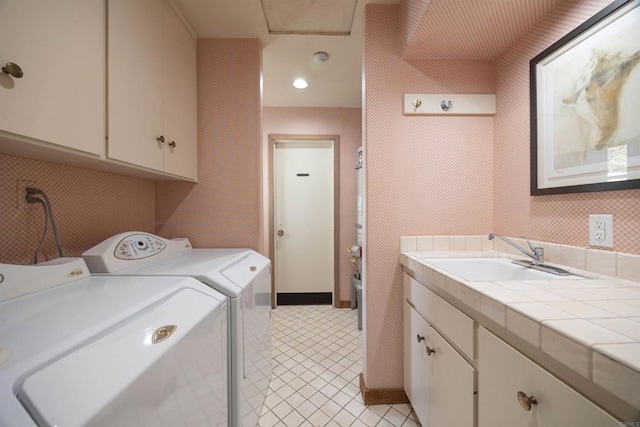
x,y
420,104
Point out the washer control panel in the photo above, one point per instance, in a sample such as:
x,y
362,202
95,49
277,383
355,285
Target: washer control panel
x,y
131,249
137,246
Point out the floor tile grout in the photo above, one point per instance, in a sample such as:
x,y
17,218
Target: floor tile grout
x,y
316,362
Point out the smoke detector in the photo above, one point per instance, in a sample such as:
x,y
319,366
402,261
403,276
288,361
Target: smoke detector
x,y
320,57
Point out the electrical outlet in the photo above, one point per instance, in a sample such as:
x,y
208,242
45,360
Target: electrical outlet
x,y
21,193
601,230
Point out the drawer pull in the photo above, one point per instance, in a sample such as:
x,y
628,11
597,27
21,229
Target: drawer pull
x,y
160,139
420,337
526,401
430,351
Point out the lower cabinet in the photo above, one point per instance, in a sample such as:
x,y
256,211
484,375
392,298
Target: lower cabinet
x,y
439,382
513,391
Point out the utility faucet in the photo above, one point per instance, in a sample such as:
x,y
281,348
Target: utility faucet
x,y
536,253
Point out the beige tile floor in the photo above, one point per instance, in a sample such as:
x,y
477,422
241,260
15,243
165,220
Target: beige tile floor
x,y
316,367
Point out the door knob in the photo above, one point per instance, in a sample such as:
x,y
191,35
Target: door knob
x,y
280,233
160,139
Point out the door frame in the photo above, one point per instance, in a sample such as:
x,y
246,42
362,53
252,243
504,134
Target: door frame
x,y
273,139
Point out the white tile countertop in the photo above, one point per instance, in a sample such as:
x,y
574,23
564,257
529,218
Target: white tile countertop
x,y
590,324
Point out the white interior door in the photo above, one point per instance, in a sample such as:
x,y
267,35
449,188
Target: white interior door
x,y
304,217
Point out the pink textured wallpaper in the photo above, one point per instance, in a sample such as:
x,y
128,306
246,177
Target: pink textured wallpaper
x,y
424,174
482,29
88,207
224,208
558,218
346,122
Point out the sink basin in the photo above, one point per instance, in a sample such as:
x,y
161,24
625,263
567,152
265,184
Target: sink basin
x,y
490,269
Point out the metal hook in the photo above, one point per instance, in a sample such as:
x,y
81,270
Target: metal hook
x,y
446,106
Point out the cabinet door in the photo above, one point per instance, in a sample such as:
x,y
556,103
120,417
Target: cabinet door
x,y
135,82
452,396
416,362
60,46
180,98
503,372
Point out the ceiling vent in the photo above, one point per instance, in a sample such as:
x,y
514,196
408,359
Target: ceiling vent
x,y
321,17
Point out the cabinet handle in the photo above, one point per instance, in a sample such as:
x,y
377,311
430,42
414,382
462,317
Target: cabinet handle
x,y
172,144
430,351
13,70
160,139
526,401
420,337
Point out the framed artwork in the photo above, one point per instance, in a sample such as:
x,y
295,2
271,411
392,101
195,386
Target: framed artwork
x,y
585,106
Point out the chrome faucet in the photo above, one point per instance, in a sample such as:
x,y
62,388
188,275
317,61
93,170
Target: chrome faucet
x,y
536,253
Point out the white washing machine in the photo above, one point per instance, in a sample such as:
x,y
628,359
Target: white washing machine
x,y
77,350
243,275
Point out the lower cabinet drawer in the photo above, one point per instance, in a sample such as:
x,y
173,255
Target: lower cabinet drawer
x,y
504,373
454,324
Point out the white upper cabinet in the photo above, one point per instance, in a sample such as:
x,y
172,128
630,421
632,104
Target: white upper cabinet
x,y
60,47
152,88
180,103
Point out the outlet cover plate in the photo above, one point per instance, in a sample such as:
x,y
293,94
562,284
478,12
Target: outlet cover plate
x,y
601,230
21,193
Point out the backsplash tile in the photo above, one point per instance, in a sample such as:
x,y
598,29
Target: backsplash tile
x,y
441,243
572,256
629,267
457,243
474,243
424,243
408,244
602,262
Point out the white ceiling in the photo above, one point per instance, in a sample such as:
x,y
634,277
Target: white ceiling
x,y
334,83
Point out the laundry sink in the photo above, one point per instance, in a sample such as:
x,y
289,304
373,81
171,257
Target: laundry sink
x,y
491,269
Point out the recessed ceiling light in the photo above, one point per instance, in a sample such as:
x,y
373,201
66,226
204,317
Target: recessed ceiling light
x,y
300,84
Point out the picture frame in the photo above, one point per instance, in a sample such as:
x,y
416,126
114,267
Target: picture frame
x,y
585,106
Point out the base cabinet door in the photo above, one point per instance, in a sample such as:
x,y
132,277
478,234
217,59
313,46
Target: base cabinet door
x,y
439,382
513,391
452,393
416,362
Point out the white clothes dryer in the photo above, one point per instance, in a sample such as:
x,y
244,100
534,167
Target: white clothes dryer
x,y
243,275
78,350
